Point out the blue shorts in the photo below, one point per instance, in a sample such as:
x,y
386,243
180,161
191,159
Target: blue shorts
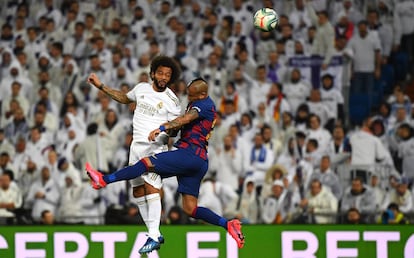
x,y
183,163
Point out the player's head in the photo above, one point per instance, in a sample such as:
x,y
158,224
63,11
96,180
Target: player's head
x,y
197,89
164,70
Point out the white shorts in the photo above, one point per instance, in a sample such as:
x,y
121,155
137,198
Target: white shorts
x,y
139,150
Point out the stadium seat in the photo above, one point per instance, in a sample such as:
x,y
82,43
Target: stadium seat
x,y
400,63
359,107
387,78
378,93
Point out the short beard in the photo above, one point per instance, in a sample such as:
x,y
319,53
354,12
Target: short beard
x,y
158,86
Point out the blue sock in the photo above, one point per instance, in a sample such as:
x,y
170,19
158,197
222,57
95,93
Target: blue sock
x,y
209,216
126,173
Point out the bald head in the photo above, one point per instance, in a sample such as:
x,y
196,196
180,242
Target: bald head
x,y
197,89
200,85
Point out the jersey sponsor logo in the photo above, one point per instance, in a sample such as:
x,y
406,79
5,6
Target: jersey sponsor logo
x,y
146,109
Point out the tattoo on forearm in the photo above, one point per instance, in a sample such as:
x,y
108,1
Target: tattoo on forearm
x,y
174,124
116,95
182,120
192,113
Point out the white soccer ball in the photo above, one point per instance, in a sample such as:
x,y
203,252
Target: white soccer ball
x,y
266,19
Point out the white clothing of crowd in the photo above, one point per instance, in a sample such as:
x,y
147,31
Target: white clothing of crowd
x,y
48,48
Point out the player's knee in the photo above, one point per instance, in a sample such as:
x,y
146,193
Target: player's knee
x,y
188,208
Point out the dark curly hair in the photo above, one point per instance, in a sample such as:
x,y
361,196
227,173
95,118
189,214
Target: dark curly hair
x,y
167,62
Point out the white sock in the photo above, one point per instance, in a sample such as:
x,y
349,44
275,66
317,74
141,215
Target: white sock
x,y
150,208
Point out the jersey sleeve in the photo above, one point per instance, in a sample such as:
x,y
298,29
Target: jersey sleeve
x,y
204,108
131,94
174,112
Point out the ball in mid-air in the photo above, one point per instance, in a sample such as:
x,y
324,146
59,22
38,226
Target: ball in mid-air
x,y
266,19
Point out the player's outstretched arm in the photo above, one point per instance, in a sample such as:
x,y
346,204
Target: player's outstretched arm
x,y
117,95
175,124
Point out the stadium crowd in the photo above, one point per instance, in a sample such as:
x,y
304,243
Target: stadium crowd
x,y
314,125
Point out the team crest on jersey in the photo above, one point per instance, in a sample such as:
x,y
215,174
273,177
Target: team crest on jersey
x,y
159,105
142,96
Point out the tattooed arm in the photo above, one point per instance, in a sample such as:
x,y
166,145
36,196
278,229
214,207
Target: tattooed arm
x,y
175,124
114,94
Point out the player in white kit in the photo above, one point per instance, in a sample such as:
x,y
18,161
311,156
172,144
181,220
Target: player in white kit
x,y
155,105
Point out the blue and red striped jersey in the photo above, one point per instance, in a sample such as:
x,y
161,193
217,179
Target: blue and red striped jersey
x,y
197,133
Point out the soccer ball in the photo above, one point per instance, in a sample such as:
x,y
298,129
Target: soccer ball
x,y
265,19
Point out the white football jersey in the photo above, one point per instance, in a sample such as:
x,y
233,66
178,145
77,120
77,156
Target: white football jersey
x,y
153,109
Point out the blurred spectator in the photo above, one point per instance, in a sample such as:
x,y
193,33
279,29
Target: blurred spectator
x,y
344,27
10,197
366,149
399,100
332,97
323,43
353,216
338,147
47,218
111,128
242,84
296,90
277,103
18,126
91,204
5,163
378,130
299,18
216,76
248,205
311,152
90,150
350,10
229,167
44,194
70,209
366,50
70,134
317,132
276,70
405,150
274,210
219,197
258,91
320,203
18,95
261,159
36,144
5,144
327,177
65,168
359,196
176,216
266,45
276,172
404,29
50,47
230,93
246,126
401,196
271,142
379,192
317,106
384,31
393,215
